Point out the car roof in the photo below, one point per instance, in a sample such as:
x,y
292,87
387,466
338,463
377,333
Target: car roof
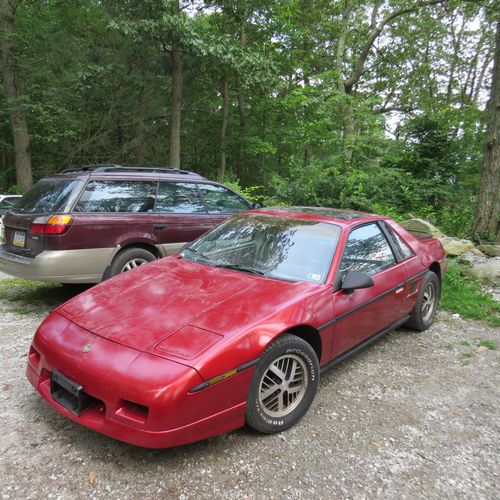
x,y
113,170
324,214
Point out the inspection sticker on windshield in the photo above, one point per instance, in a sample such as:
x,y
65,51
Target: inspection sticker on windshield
x,y
19,239
314,277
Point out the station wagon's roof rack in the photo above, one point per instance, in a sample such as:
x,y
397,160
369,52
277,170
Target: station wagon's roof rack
x,y
112,167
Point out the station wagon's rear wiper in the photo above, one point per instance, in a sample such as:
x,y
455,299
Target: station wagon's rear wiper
x,y
239,267
197,253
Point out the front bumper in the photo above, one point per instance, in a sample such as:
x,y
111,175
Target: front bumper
x,y
60,266
116,376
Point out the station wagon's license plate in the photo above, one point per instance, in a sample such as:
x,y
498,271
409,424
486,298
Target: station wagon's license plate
x,y
19,238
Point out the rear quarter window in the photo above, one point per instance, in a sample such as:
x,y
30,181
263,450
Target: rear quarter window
x,y
48,195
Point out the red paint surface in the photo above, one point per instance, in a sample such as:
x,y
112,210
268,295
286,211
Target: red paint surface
x,y
159,331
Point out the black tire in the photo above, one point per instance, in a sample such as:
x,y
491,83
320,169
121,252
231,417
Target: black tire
x,y
288,354
129,259
427,302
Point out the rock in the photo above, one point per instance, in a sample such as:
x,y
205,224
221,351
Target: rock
x,y
481,348
421,225
491,250
487,269
471,256
455,246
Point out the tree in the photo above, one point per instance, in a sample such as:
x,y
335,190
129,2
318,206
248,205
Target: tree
x,y
488,208
176,96
12,89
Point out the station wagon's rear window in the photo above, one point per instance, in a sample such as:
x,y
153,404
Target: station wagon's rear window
x,y
48,195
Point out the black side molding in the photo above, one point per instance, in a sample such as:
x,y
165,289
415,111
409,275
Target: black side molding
x,y
365,343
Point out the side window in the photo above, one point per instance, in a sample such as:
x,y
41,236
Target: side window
x,y
178,198
405,250
367,251
117,196
222,201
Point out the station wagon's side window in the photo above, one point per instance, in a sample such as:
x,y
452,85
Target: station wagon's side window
x,y
178,198
367,251
406,253
117,196
220,200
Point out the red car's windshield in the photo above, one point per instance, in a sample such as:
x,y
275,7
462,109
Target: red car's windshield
x,y
276,247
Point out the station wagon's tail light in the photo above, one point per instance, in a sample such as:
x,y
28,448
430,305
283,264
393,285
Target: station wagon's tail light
x,y
56,224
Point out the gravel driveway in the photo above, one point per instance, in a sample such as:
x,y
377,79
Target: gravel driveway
x,y
413,415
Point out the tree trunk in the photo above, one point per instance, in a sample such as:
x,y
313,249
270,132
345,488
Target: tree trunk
x,y
223,129
240,170
140,132
487,213
176,101
11,83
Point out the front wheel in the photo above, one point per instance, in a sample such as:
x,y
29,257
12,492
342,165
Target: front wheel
x,y
426,304
283,385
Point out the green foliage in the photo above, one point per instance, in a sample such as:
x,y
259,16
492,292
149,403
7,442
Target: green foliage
x,y
251,193
96,84
462,294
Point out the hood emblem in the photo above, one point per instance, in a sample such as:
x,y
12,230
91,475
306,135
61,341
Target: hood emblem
x,y
87,347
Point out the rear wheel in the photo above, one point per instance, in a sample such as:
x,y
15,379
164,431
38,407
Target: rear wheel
x,y
130,259
283,385
427,302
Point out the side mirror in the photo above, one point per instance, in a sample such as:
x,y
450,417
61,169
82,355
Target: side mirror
x,y
256,205
354,280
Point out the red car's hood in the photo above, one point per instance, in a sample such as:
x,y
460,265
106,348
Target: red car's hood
x,y
177,307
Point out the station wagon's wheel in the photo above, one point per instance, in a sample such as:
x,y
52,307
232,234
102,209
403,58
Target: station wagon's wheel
x,y
427,302
283,385
130,259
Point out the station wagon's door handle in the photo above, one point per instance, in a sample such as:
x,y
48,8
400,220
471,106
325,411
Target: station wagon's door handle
x,y
160,226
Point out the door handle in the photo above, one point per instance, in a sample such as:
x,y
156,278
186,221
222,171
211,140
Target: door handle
x,y
159,227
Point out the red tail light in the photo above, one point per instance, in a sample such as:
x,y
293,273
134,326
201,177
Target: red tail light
x,y
57,224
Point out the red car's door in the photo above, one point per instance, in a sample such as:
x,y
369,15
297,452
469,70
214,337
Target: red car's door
x,y
179,215
364,312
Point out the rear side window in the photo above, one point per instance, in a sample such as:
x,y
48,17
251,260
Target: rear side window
x,y
367,251
48,195
220,200
179,198
403,248
117,196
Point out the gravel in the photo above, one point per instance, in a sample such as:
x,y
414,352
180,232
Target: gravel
x,y
413,415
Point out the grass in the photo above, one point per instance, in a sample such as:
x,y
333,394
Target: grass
x,y
462,294
22,311
27,293
488,344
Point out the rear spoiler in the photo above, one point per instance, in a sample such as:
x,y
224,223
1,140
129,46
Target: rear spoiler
x,y
421,235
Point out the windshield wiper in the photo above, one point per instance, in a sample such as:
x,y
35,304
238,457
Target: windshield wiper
x,y
197,253
239,267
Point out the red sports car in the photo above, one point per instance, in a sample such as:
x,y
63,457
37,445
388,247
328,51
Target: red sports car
x,y
236,328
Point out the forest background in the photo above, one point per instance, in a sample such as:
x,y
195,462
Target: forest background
x,y
390,106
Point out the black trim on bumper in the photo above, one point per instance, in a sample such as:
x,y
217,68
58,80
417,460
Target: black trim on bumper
x,y
221,377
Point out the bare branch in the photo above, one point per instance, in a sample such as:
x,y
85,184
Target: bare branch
x,y
375,33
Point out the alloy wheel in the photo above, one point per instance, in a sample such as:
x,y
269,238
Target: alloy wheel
x,y
283,385
428,301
